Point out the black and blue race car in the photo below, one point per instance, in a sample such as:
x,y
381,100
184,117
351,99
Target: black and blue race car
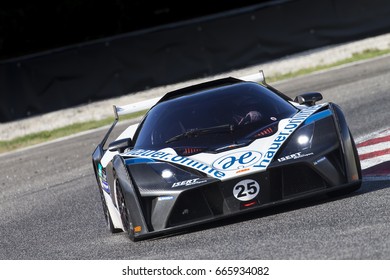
x,y
218,149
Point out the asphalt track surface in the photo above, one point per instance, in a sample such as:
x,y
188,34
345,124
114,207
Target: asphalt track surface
x,y
50,206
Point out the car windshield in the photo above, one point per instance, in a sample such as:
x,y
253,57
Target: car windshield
x,y
212,119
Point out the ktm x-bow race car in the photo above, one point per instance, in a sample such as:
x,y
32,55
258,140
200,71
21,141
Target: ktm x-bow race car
x,y
218,149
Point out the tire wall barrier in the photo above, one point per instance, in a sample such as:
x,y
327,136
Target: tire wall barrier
x,y
132,62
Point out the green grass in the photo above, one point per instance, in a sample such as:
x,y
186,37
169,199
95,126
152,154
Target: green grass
x,y
367,54
47,135
44,136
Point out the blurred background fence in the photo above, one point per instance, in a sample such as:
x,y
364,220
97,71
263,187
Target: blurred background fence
x,y
181,47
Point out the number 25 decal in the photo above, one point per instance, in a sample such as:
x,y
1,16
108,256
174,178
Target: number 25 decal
x,y
246,190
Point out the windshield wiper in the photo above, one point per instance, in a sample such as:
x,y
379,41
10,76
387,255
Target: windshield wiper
x,y
200,131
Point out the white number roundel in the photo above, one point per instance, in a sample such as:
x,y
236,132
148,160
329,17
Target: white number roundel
x,y
246,190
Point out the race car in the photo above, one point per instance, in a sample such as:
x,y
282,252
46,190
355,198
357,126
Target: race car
x,y
219,149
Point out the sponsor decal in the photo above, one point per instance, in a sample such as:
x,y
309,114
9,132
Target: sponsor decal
x,y
242,170
319,161
294,156
237,161
185,161
246,190
189,182
103,178
285,132
161,198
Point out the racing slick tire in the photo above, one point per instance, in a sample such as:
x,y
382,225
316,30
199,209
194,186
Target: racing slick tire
x,y
123,209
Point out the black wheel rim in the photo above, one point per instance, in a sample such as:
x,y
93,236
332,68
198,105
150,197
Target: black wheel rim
x,y
122,206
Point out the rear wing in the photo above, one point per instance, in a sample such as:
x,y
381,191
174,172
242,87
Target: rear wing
x,y
135,107
147,104
257,78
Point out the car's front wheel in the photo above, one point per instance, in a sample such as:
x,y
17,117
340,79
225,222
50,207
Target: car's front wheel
x,y
122,207
355,186
107,215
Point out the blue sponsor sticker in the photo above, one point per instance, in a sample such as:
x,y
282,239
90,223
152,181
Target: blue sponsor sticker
x,y
103,178
238,160
162,198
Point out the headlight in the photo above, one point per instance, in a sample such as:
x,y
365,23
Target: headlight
x,y
167,174
301,140
170,173
304,138
311,139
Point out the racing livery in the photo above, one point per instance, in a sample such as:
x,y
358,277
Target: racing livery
x,y
218,149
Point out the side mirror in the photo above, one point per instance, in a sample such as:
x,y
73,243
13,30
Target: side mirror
x,y
309,98
120,145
